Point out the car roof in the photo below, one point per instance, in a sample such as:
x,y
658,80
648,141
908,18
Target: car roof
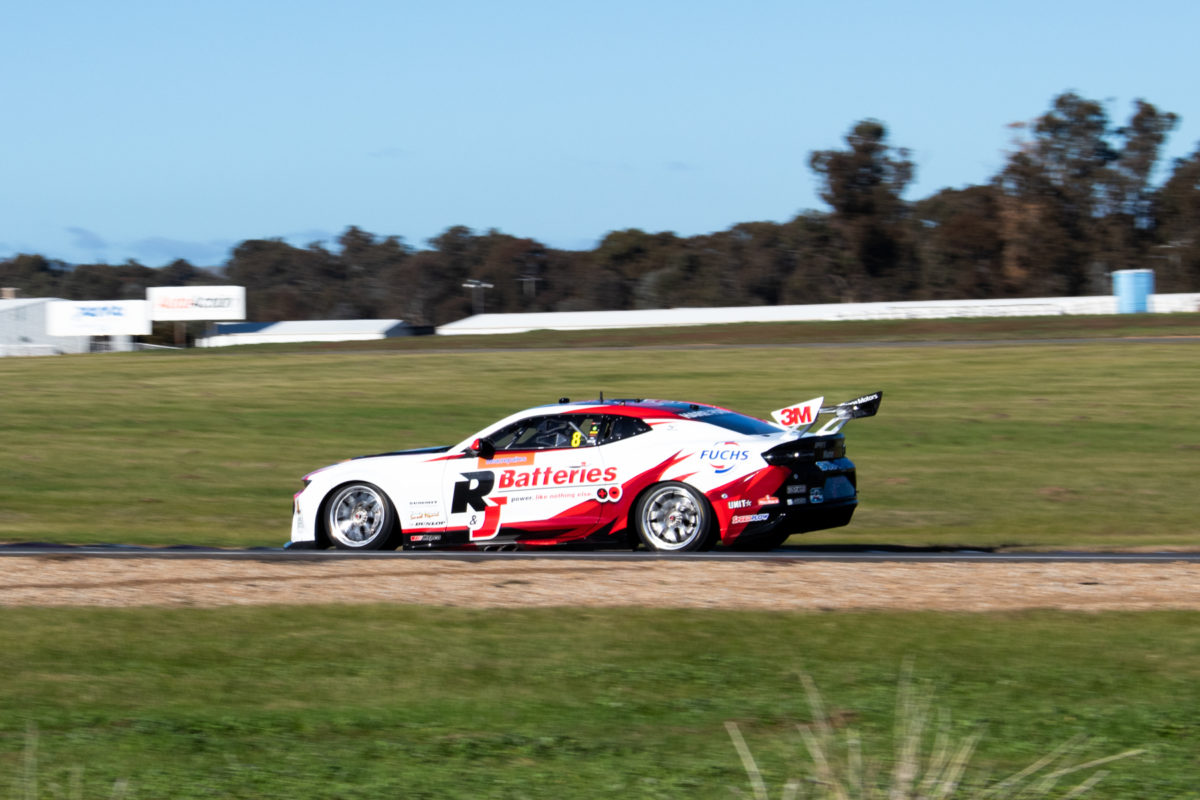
x,y
642,408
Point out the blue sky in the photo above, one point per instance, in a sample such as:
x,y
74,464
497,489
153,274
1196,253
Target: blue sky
x,y
162,130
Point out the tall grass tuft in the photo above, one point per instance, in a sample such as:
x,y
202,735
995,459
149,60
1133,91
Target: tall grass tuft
x,y
928,763
28,786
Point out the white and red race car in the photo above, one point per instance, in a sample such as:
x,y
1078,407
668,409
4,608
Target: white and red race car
x,y
672,476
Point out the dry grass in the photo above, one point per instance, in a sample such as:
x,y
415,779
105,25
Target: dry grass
x,y
929,763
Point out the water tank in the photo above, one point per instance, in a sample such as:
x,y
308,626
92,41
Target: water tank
x,y
1133,288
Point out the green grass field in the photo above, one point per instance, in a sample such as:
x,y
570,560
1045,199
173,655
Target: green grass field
x,y
376,701
1019,444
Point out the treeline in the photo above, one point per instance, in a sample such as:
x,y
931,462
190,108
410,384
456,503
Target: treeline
x,y
1078,197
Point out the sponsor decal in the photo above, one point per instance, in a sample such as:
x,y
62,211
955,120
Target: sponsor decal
x,y
769,500
549,476
515,460
196,302
797,501
800,415
739,503
609,494
724,456
747,518
486,526
95,312
97,317
815,495
797,415
470,492
698,414
177,303
425,537
866,398
798,488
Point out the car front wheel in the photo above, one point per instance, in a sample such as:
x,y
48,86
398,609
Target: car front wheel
x,y
674,517
359,516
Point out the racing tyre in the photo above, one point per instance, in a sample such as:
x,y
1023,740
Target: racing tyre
x,y
674,517
359,516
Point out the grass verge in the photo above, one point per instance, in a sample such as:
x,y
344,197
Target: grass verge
x,y
333,702
1043,446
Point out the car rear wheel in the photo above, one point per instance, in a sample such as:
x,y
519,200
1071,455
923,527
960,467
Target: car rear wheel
x,y
674,517
359,516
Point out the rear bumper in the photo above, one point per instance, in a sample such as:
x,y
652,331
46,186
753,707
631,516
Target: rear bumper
x,y
815,496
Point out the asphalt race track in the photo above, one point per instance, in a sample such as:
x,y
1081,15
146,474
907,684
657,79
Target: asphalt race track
x,y
856,554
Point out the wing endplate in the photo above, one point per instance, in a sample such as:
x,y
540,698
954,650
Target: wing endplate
x,y
802,416
799,417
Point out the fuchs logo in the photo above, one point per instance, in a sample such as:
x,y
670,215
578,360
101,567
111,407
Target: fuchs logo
x,y
724,456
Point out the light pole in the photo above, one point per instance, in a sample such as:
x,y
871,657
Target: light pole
x,y
476,288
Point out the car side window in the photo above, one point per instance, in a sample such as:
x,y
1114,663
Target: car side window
x,y
509,438
619,428
549,433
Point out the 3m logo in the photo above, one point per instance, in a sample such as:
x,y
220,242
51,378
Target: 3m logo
x,y
800,415
796,415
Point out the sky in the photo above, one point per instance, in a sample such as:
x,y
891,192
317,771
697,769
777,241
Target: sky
x,y
162,130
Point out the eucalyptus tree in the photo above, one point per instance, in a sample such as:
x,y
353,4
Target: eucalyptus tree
x,y
864,185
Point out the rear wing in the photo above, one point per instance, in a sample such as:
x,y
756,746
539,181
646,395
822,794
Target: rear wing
x,y
802,416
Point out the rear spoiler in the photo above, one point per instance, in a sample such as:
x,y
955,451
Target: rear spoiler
x,y
802,416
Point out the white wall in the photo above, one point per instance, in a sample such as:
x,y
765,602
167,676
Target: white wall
x,y
917,309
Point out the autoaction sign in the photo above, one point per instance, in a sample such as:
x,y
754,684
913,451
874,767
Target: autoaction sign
x,y
97,318
197,302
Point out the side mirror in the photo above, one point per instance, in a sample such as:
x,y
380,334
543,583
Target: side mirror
x,y
482,448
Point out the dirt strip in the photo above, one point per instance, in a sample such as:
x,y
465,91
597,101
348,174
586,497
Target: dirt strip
x,y
84,581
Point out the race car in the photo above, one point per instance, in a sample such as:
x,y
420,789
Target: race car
x,y
667,475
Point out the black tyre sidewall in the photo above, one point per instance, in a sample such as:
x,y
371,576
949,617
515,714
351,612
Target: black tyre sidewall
x,y
389,534
706,538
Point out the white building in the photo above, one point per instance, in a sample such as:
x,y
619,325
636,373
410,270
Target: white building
x,y
225,334
23,330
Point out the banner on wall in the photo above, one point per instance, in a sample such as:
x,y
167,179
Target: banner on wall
x,y
185,303
97,318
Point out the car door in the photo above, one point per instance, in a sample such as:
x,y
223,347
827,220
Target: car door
x,y
544,476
